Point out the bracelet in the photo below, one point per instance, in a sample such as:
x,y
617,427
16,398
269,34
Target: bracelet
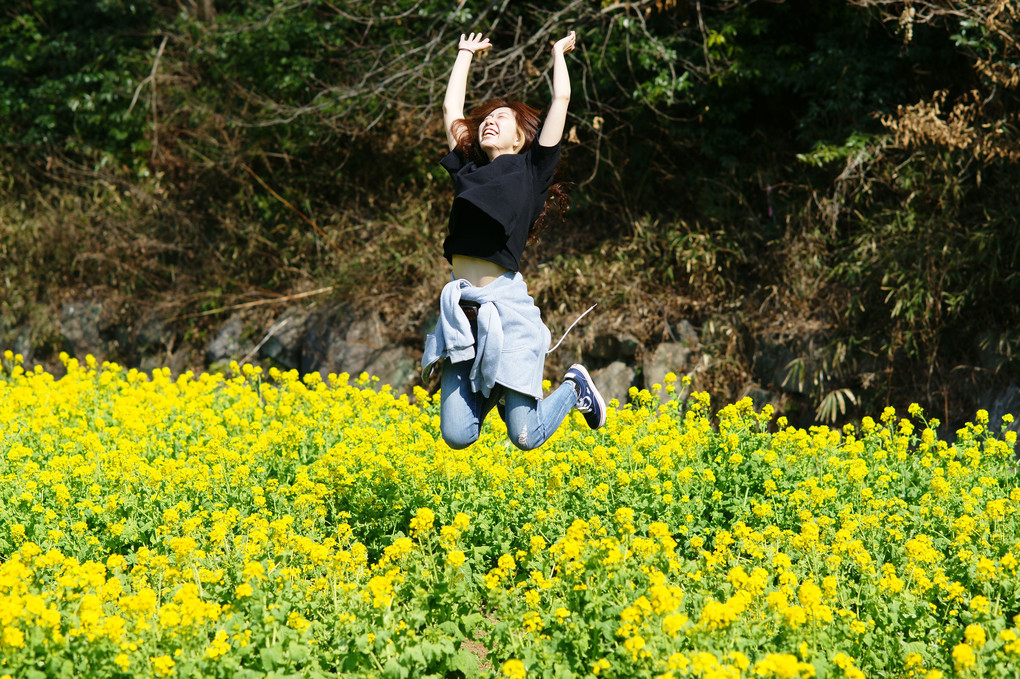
x,y
465,49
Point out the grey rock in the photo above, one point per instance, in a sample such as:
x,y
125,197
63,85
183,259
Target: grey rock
x,y
286,337
227,343
614,347
339,340
16,338
686,334
763,397
23,342
668,357
788,364
614,381
1003,402
152,332
396,366
79,328
150,362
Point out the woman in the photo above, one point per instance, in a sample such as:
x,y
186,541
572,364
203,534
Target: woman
x,y
490,337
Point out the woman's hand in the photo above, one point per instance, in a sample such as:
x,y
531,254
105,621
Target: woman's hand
x,y
473,43
564,45
456,88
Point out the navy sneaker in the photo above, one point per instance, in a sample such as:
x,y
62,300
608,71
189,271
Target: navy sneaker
x,y
589,400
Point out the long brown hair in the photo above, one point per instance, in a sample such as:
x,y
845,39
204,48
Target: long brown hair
x,y
529,120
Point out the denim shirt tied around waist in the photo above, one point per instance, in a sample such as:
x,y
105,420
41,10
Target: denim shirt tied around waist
x,y
512,339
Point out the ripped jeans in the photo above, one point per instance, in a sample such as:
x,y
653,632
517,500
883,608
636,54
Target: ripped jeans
x,y
529,422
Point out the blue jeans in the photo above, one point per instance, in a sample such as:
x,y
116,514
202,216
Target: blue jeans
x,y
529,422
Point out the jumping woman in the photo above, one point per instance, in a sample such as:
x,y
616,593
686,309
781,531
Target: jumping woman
x,y
490,338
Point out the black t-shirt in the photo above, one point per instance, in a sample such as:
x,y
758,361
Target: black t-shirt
x,y
496,203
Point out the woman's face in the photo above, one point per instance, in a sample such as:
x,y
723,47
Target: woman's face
x,y
498,133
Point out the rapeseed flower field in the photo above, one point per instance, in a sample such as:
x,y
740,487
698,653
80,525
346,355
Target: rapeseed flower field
x,y
263,524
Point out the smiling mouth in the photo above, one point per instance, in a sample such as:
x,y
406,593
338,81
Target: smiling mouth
x,y
490,132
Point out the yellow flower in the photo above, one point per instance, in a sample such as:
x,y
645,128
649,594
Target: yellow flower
x,y
163,666
1011,641
677,661
624,517
379,590
506,563
455,558
514,669
219,646
400,548
13,637
975,636
963,657
782,666
532,622
422,523
634,645
461,521
980,604
703,662
739,659
297,621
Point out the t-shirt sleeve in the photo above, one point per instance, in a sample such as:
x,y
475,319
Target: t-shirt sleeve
x,y
543,162
452,161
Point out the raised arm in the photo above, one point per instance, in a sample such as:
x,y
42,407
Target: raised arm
x,y
552,130
453,103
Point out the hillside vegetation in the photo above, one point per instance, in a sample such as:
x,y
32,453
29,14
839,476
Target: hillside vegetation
x,y
840,176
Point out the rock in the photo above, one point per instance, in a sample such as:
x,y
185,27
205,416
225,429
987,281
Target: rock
x,y
788,364
1004,402
151,333
759,396
286,338
339,340
614,347
79,328
769,361
686,334
23,343
396,366
614,381
16,338
763,397
227,343
668,357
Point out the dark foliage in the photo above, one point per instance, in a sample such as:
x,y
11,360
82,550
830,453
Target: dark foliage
x,y
840,173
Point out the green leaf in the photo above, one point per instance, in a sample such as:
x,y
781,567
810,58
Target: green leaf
x,y
467,663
